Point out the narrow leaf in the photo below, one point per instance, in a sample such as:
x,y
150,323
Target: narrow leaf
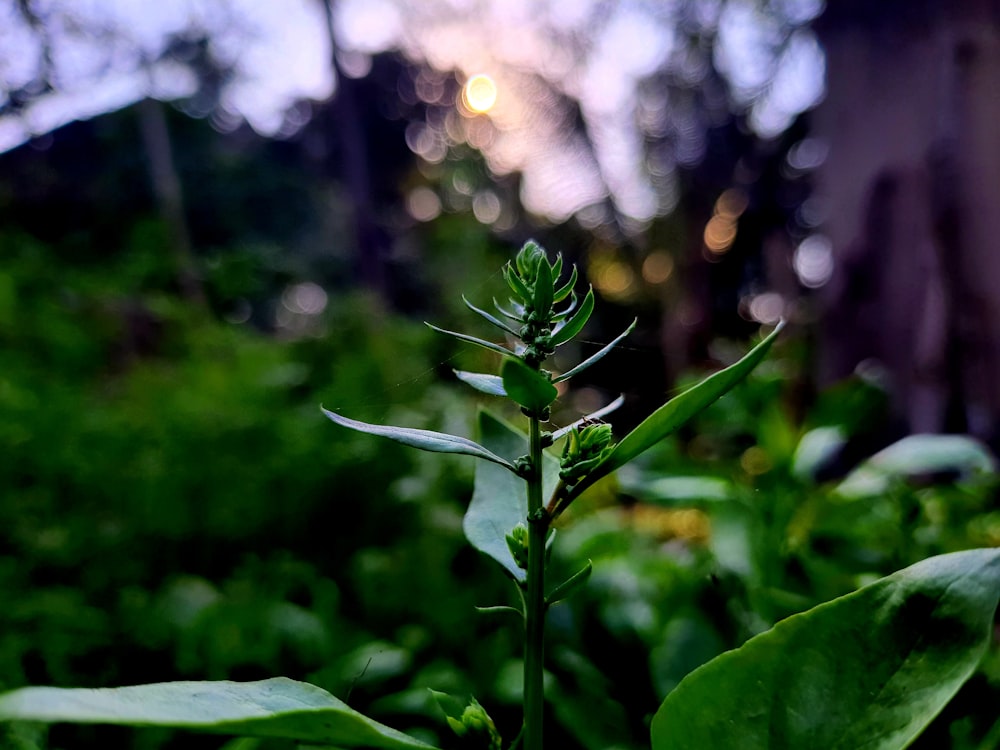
x,y
676,412
565,312
557,268
543,288
499,498
515,316
868,670
473,340
277,707
564,291
500,608
427,440
491,318
491,384
599,414
529,388
514,282
575,324
571,584
596,357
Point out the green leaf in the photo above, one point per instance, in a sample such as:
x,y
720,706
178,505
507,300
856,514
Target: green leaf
x,y
917,455
491,318
571,584
564,291
516,285
575,324
426,440
676,412
517,315
491,384
566,311
594,415
529,388
868,670
473,340
596,357
543,288
277,707
500,499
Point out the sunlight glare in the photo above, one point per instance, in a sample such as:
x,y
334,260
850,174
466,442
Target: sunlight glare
x,y
480,93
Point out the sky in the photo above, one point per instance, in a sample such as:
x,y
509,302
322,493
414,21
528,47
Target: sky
x,y
543,56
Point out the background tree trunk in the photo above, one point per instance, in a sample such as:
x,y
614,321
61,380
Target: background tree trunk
x,y
911,190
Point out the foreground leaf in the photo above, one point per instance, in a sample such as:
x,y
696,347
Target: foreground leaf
x,y
677,412
868,670
527,387
427,440
277,707
499,498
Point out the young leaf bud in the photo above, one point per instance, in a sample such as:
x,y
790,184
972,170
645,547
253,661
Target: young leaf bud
x,y
517,543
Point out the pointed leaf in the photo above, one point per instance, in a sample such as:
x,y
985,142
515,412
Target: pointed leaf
x,y
868,670
427,440
596,357
676,412
516,285
575,324
498,609
277,707
543,288
565,312
599,414
499,498
472,340
557,268
491,384
564,291
529,388
491,318
517,318
571,584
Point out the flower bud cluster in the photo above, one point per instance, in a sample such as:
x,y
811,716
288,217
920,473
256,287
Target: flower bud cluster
x,y
476,727
586,447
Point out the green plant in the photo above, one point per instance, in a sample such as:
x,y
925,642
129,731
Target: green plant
x,y
869,669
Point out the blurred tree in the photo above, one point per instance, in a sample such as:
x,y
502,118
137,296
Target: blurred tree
x,y
909,194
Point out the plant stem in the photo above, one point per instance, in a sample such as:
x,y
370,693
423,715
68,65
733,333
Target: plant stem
x,y
534,696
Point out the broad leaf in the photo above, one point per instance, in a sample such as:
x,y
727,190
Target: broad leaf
x,y
427,440
527,387
277,707
815,449
500,499
491,384
594,358
676,412
914,456
868,670
473,340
